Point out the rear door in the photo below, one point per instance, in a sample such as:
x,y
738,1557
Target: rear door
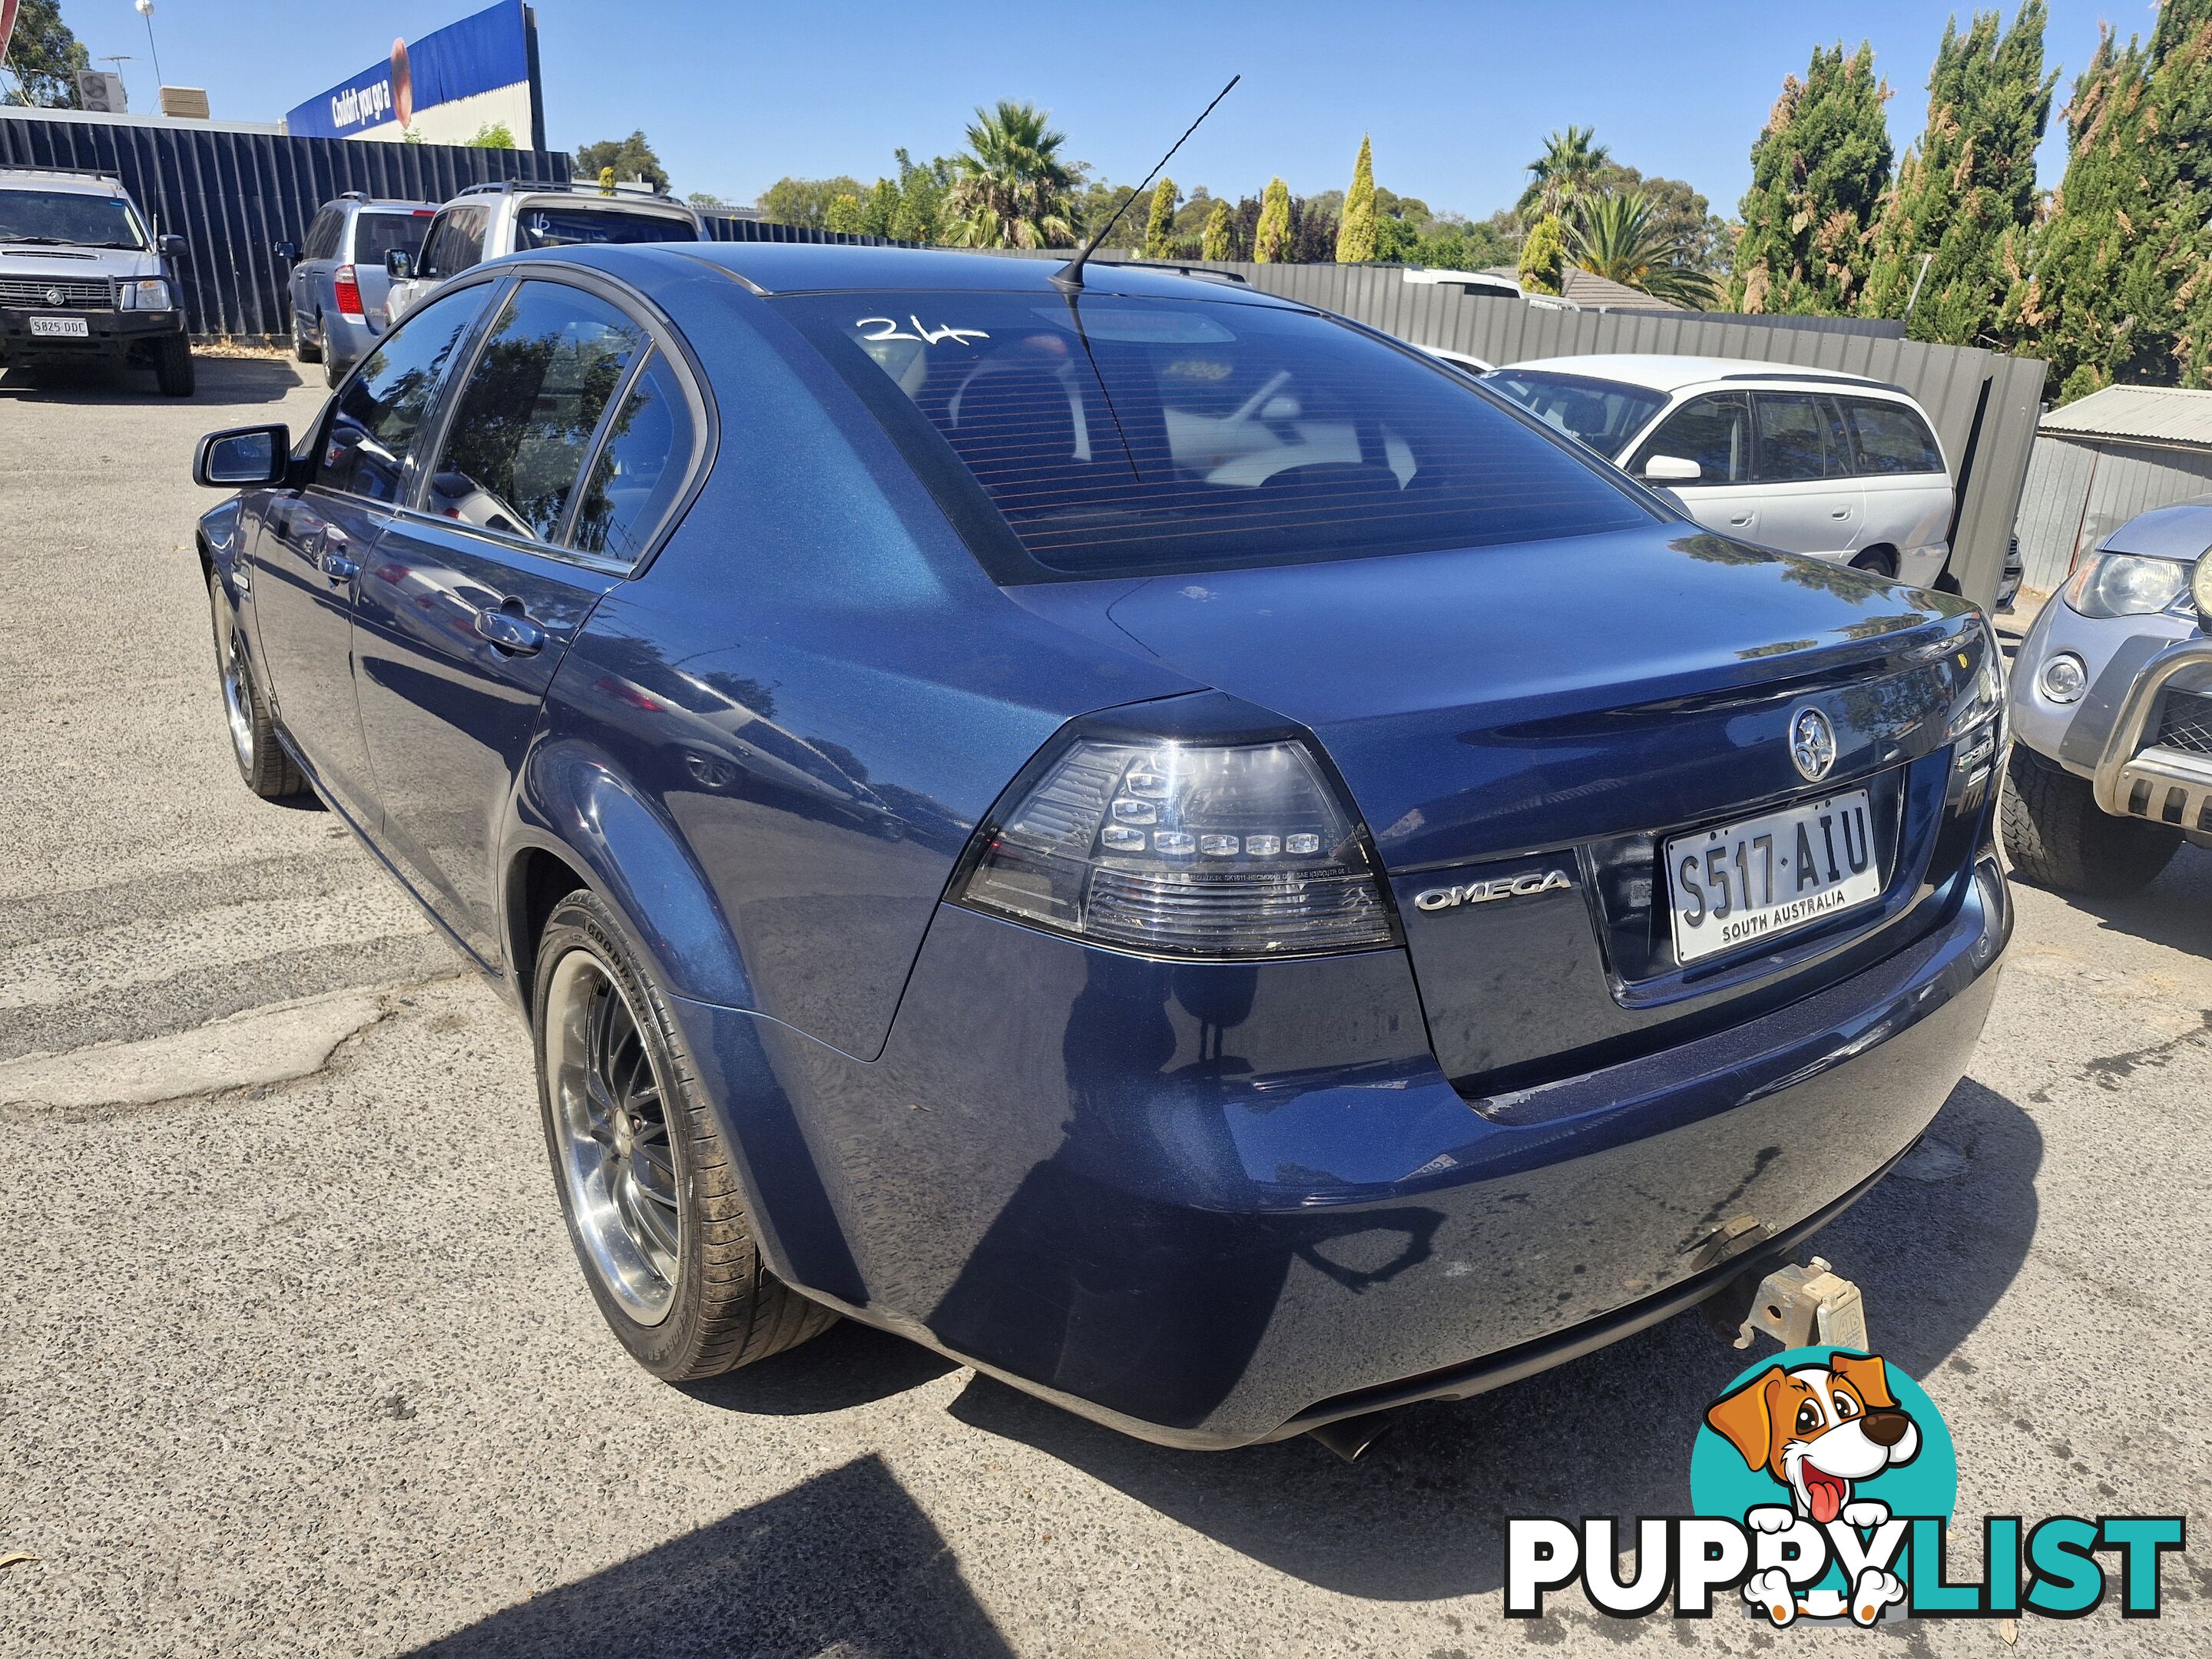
x,y
1907,488
1809,498
308,560
1712,430
561,449
312,267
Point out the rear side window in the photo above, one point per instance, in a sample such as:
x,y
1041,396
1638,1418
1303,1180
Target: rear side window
x,y
1117,435
571,227
1714,431
1800,437
455,242
1603,414
1891,438
642,464
373,426
323,235
552,363
375,235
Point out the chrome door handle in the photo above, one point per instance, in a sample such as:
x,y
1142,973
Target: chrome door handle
x,y
339,569
1841,512
1741,518
510,631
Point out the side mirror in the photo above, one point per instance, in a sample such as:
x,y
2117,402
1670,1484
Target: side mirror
x,y
1672,469
243,458
172,247
288,252
400,264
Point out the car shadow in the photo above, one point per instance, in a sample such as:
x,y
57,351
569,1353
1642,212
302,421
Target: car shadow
x,y
2175,911
848,1365
845,1563
221,380
1421,1516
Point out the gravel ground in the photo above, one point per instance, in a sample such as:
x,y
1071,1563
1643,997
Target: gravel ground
x,y
306,1367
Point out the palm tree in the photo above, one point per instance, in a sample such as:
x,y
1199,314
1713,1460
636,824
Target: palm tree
x,y
1009,188
1568,169
1619,237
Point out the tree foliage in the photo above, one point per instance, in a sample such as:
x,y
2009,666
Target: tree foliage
x,y
1355,231
1271,241
1543,251
493,135
2120,284
1818,172
44,57
1009,186
630,158
1159,226
1569,167
1966,193
1622,238
1217,241
806,201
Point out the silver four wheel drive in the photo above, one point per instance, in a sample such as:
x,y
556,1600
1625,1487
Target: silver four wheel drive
x,y
2111,711
83,279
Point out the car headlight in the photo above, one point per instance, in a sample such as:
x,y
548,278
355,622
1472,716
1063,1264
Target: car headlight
x,y
149,294
2200,588
2126,585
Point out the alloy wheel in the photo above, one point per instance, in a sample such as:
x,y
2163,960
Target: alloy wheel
x,y
614,1155
237,695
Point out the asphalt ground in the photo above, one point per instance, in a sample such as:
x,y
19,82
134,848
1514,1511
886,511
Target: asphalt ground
x,y
297,1359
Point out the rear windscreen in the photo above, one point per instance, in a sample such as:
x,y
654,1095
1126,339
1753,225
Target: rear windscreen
x,y
1117,435
375,235
570,227
1603,414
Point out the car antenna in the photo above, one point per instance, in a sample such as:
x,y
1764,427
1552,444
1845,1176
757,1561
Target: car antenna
x,y
1069,278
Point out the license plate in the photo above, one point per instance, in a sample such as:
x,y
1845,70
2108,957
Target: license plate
x,y
71,328
1767,876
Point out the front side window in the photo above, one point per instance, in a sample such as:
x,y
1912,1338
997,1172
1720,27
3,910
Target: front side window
x,y
524,421
375,235
642,464
69,218
1603,414
455,242
573,227
1799,438
323,235
1714,431
1891,438
1116,434
376,419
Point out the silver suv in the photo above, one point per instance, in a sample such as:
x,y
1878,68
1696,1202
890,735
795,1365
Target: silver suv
x,y
486,221
82,280
2112,708
338,276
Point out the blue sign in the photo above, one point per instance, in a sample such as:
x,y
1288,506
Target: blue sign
x,y
482,53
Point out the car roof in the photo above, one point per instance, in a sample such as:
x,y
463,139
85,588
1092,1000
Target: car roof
x,y
813,268
384,204
1668,374
84,184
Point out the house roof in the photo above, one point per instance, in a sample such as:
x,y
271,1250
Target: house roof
x,y
2147,413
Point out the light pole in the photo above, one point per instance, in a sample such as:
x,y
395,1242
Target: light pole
x,y
146,11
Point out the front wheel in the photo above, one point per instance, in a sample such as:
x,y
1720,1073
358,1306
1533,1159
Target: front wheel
x,y
2058,836
644,1175
172,366
269,772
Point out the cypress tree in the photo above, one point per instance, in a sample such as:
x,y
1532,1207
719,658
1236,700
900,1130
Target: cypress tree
x,y
1215,241
1967,184
1271,242
1159,228
1355,231
1543,251
1817,175
2118,288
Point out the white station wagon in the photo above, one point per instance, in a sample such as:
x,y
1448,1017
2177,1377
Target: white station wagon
x,y
1808,460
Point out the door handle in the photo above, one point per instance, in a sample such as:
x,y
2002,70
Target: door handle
x,y
509,631
1741,518
1841,512
339,569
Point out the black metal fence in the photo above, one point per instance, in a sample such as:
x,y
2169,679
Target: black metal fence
x,y
232,195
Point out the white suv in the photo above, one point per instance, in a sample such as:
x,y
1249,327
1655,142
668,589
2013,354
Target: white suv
x,y
1807,460
486,221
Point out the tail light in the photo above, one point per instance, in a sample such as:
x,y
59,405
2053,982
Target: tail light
x,y
349,292
1179,847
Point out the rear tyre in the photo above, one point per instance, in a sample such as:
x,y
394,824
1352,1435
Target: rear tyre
x,y
2059,838
333,370
644,1176
1877,561
172,366
267,770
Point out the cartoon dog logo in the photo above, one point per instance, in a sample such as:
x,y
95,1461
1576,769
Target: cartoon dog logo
x,y
1819,1431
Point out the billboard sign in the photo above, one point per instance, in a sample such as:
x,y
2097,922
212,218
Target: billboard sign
x,y
442,89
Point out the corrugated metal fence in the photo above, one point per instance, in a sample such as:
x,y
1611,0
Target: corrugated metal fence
x,y
232,195
2081,487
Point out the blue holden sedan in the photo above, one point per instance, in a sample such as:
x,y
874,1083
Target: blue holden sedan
x,y
1152,840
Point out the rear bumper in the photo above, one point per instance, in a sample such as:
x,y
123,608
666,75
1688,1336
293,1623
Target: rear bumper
x,y
349,338
108,333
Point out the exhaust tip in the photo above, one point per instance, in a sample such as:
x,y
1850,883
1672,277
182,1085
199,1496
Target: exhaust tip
x,y
1351,1436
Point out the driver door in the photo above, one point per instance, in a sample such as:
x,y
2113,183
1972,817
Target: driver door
x,y
1714,433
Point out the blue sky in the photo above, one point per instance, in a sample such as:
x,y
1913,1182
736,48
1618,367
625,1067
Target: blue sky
x,y
1458,97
